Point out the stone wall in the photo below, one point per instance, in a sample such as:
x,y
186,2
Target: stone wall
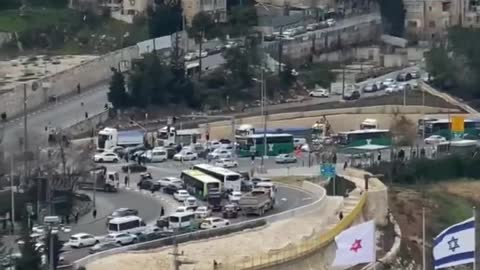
x,y
63,83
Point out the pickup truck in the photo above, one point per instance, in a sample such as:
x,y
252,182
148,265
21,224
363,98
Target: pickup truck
x,y
256,202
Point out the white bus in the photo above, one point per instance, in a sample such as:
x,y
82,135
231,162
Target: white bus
x,y
182,220
130,224
199,183
230,179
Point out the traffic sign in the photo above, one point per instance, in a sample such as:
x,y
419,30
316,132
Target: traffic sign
x,y
327,170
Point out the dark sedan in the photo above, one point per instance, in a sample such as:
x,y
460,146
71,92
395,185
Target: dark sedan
x,y
134,168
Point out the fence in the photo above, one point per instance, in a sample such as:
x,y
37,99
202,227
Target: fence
x,y
302,249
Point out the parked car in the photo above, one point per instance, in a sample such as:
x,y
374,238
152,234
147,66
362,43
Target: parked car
x,y
404,87
185,155
226,163
415,74
181,195
235,196
331,22
202,212
155,155
134,168
404,76
80,240
285,158
148,184
319,93
182,209
123,212
165,181
170,189
369,88
434,139
106,157
103,246
121,238
391,88
380,85
214,222
355,94
219,153
387,82
230,211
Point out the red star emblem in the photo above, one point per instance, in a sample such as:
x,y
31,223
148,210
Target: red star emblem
x,y
356,245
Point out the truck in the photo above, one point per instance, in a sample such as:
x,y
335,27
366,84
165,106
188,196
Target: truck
x,y
111,137
100,179
256,202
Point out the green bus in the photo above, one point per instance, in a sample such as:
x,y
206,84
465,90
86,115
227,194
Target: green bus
x,y
199,184
365,136
442,127
254,144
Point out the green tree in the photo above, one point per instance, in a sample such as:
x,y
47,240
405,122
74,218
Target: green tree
x,y
9,4
241,20
287,78
393,16
165,18
30,259
117,93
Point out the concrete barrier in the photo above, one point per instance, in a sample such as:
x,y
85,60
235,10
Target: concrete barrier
x,y
86,127
205,234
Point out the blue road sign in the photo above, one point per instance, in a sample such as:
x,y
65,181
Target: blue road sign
x,y
327,170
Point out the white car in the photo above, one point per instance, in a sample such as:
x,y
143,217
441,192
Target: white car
x,y
190,56
226,163
82,240
121,238
166,181
203,212
391,89
387,82
319,93
285,158
331,22
182,209
219,153
106,157
235,196
434,139
214,144
181,195
185,155
214,222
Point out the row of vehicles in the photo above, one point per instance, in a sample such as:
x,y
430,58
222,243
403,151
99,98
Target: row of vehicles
x,y
290,33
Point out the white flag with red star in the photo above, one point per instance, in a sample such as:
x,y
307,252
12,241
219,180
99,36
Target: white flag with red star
x,y
356,245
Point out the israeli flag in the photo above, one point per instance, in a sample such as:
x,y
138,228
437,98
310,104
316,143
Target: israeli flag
x,y
455,245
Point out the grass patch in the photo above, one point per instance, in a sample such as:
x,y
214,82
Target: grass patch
x,y
448,210
11,21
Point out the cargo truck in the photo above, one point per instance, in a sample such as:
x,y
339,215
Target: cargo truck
x,y
257,202
105,180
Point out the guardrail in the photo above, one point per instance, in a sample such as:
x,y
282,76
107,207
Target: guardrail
x,y
205,234
302,249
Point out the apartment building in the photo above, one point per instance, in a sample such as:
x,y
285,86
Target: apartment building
x,y
430,19
216,8
124,10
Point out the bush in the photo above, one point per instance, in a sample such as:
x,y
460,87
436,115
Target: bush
x,y
429,171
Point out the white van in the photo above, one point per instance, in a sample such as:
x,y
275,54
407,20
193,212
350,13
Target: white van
x,y
129,224
157,154
181,220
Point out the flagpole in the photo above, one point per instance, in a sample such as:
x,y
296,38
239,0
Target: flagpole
x,y
475,238
374,247
424,257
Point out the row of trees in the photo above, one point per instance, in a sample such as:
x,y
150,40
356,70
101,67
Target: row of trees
x,y
10,4
455,65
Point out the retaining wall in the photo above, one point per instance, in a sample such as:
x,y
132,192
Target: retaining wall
x,y
316,190
85,127
88,74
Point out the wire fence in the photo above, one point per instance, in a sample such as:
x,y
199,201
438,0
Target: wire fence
x,y
299,250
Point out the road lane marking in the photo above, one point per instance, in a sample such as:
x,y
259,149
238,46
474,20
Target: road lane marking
x,y
306,198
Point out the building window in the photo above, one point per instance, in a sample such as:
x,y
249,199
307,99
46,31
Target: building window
x,y
446,6
431,24
412,24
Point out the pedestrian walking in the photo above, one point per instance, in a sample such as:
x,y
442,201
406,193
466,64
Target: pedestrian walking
x,y
78,89
345,165
76,217
126,157
94,213
334,158
67,218
340,215
422,152
379,157
125,179
162,211
86,115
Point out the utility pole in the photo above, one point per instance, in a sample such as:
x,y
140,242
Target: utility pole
x,y
343,80
25,137
280,52
12,214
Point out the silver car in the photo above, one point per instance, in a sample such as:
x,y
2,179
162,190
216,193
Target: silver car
x,y
285,158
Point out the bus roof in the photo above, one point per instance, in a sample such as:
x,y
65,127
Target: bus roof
x,y
360,131
202,177
216,169
269,135
446,120
182,214
118,220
